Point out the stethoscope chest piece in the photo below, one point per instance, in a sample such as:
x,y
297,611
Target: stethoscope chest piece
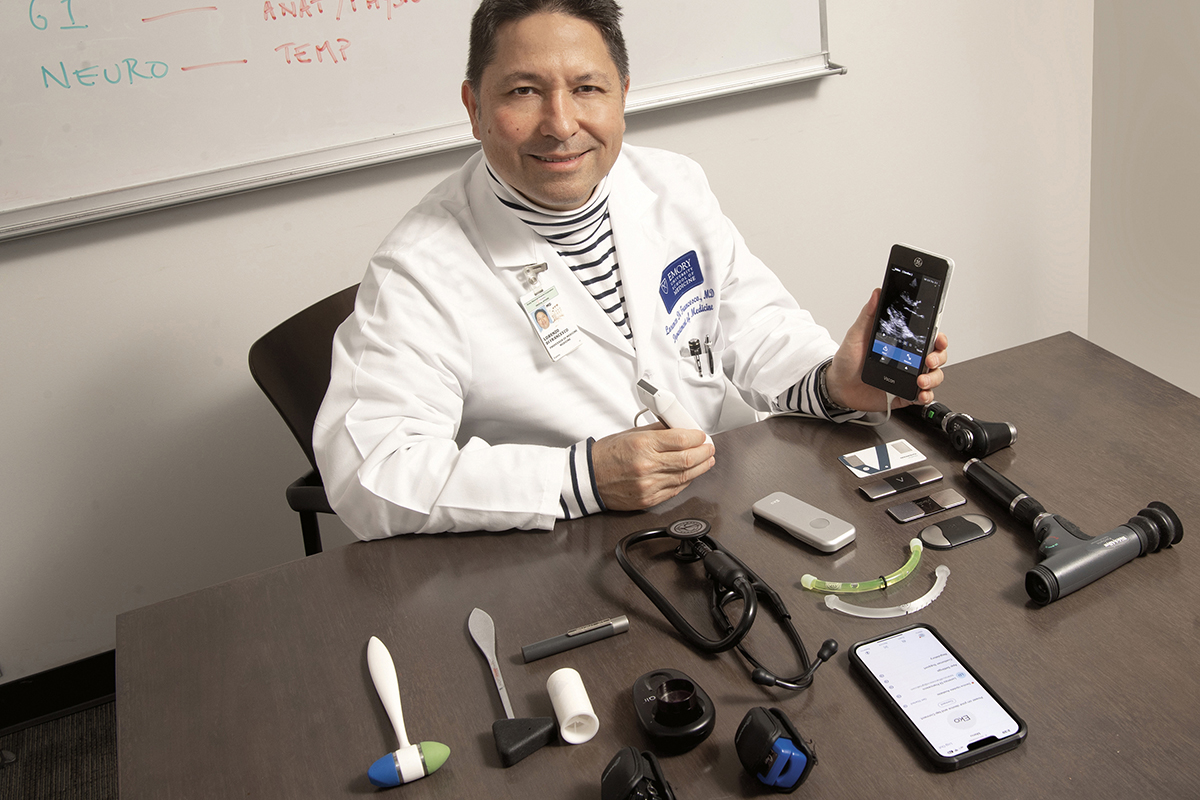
x,y
687,531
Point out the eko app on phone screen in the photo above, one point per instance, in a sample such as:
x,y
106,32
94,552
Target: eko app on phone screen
x,y
937,693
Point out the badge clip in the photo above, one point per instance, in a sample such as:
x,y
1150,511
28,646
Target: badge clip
x,y
532,271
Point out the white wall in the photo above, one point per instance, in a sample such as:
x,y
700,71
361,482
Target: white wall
x,y
961,127
141,462
1145,265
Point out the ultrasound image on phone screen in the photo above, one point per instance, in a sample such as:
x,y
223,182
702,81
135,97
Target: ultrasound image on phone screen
x,y
909,302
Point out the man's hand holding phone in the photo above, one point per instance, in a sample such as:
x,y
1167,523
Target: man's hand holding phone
x,y
844,377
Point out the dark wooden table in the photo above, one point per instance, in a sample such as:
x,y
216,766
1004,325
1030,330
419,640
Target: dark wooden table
x,y
259,687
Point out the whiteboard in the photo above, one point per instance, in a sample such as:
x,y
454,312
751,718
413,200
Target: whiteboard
x,y
114,107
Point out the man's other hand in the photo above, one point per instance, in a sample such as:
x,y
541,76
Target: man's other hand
x,y
642,467
844,377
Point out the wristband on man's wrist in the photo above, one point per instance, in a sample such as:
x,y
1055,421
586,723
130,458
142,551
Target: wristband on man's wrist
x,y
823,392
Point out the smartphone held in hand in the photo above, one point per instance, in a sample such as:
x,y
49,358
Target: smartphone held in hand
x,y
906,320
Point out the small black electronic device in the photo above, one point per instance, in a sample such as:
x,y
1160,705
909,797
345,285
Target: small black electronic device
x,y
947,710
900,482
927,506
634,776
906,320
771,749
957,530
673,710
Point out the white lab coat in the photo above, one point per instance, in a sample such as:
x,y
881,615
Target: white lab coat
x,y
444,411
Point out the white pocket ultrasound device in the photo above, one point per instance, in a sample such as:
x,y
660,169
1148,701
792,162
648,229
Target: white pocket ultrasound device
x,y
666,407
807,523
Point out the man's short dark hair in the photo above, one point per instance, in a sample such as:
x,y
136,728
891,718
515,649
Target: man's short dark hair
x,y
491,14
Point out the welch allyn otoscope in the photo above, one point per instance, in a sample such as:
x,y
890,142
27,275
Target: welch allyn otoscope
x,y
730,580
972,437
1070,558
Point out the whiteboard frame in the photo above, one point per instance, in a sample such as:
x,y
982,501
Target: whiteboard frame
x,y
100,206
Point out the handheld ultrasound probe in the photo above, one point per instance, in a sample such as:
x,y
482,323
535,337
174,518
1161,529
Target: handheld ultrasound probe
x,y
1070,558
411,761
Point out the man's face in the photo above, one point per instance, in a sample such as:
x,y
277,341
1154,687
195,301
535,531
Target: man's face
x,y
551,109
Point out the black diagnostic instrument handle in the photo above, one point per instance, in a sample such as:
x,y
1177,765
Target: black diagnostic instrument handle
x,y
1022,507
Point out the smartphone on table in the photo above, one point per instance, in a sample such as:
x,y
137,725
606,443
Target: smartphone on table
x,y
947,710
906,320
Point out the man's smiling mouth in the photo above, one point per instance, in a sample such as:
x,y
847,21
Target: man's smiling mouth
x,y
557,159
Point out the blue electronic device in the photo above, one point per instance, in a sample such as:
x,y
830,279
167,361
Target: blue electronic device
x,y
771,749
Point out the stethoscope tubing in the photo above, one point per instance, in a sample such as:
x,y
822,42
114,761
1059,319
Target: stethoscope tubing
x,y
677,620
748,591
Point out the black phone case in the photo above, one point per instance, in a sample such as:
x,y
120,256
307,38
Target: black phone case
x,y
898,382
941,762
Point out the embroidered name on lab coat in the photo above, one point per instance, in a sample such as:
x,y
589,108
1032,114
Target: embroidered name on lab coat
x,y
680,277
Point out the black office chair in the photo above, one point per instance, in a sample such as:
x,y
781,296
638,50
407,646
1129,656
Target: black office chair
x,y
291,365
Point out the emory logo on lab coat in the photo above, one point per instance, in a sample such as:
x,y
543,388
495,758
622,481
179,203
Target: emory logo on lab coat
x,y
680,275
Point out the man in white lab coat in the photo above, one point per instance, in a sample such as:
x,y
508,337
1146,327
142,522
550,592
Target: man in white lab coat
x,y
485,380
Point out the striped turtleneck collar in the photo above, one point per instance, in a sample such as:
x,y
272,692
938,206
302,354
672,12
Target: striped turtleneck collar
x,y
538,217
583,237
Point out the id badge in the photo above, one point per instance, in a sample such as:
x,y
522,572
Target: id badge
x,y
558,335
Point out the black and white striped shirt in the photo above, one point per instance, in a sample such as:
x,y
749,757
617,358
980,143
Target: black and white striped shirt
x,y
804,397
583,238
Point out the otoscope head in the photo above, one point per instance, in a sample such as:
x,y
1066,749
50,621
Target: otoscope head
x,y
1041,585
971,437
1073,560
975,438
935,413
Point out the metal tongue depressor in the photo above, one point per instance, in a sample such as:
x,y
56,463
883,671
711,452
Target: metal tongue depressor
x,y
411,761
515,738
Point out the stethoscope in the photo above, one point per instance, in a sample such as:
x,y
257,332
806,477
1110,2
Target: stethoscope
x,y
729,580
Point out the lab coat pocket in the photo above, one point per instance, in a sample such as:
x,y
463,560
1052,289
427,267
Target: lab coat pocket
x,y
700,362
702,383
